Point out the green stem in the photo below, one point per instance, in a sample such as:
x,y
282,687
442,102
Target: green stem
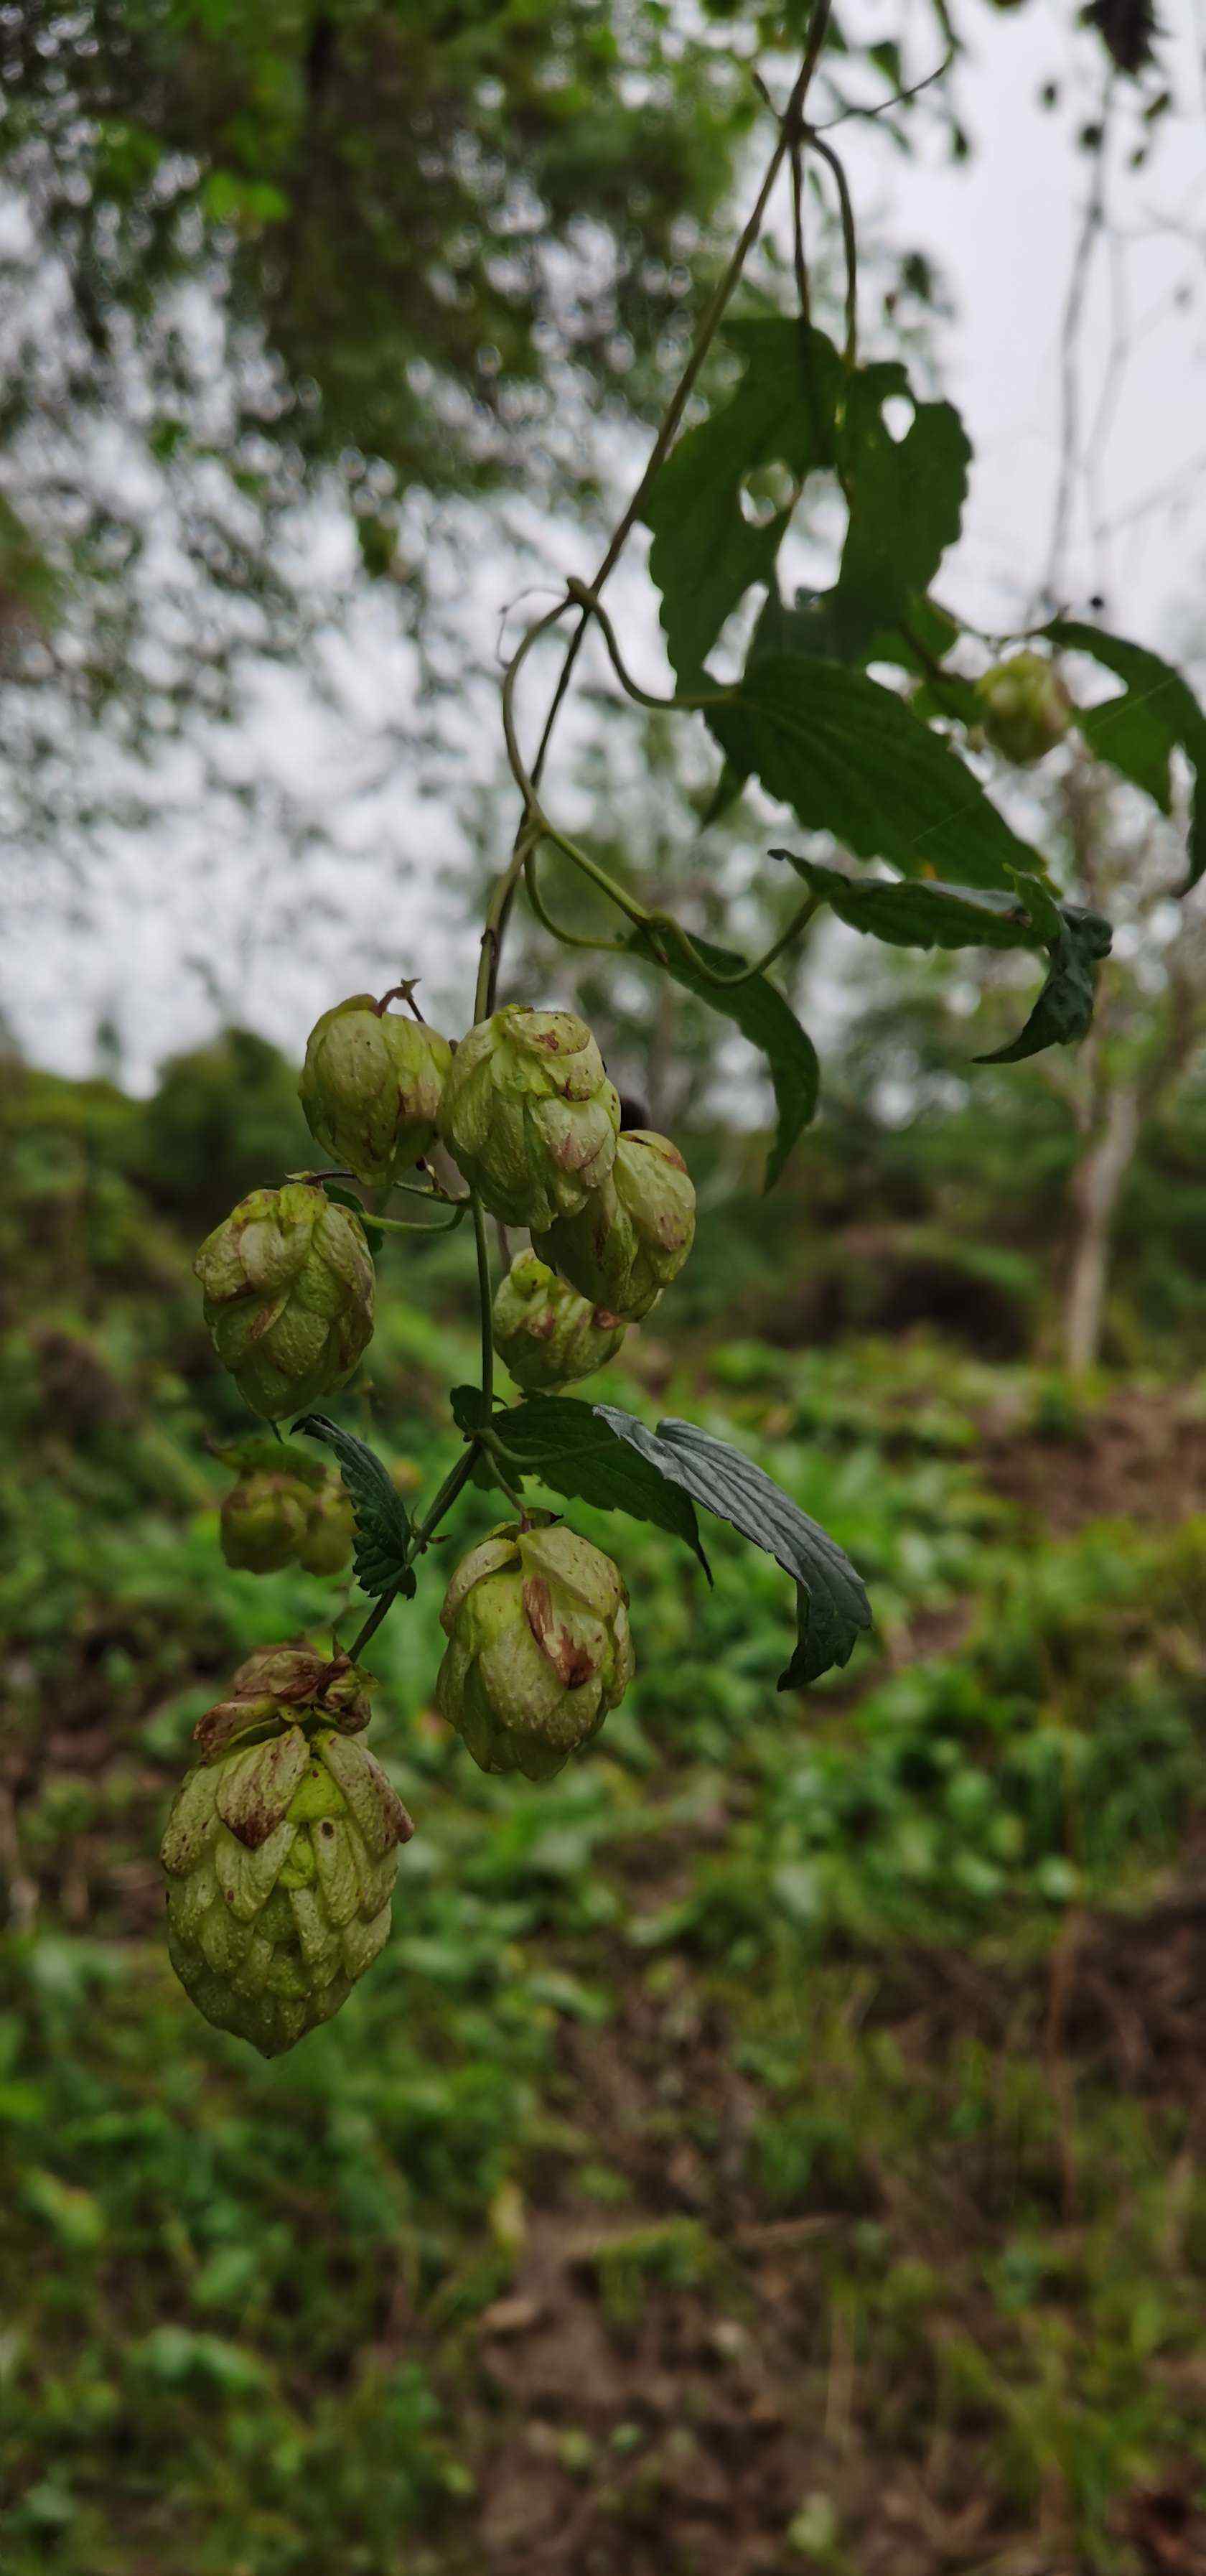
x,y
420,1538
790,127
557,929
403,1225
849,244
484,1302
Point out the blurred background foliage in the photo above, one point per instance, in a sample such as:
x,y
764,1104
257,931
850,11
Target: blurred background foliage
x,y
768,2144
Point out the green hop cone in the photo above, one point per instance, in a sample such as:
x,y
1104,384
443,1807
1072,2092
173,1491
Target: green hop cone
x,y
325,1543
1026,708
262,1520
529,1114
538,1648
633,1234
547,1334
281,1850
288,1287
371,1086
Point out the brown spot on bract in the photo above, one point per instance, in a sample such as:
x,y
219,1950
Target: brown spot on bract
x,y
570,1661
254,1825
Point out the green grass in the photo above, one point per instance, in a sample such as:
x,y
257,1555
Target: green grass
x,y
790,2106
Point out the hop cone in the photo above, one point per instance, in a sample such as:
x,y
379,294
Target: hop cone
x,y
547,1334
262,1521
281,1850
1027,709
288,1287
538,1648
330,1527
529,1114
634,1233
370,1087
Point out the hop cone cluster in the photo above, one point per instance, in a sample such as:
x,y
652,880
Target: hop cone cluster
x,y
371,1087
1027,709
529,1114
547,1334
538,1648
269,1520
287,1280
633,1234
281,1850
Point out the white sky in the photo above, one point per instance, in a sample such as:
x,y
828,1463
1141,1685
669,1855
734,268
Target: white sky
x,y
199,893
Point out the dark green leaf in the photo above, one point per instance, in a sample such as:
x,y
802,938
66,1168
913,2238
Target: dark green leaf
x,y
918,915
833,1602
906,502
762,1015
1064,1007
854,761
1136,732
570,1446
382,1522
705,553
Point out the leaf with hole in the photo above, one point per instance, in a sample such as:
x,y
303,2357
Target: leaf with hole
x,y
906,501
1156,714
382,1521
832,1599
706,553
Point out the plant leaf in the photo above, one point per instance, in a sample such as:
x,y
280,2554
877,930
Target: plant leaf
x,y
705,554
906,504
382,1520
1064,1008
833,1603
1136,732
855,761
918,915
764,1017
570,1446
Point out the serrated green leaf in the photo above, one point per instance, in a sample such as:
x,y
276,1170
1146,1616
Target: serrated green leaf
x,y
764,1017
570,1446
1136,732
1064,1009
705,554
913,915
833,1604
906,501
934,916
382,1520
853,760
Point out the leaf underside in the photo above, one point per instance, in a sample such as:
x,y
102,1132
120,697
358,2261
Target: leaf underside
x,y
382,1521
832,1600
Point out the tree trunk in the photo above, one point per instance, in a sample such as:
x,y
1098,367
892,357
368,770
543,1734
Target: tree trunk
x,y
1096,1188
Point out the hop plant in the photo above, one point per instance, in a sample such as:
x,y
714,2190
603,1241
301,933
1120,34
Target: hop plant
x,y
371,1086
633,1234
547,1334
529,1114
262,1521
1027,709
287,1280
538,1650
281,1850
326,1539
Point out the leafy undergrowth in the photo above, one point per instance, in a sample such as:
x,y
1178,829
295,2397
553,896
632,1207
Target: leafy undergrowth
x,y
771,2145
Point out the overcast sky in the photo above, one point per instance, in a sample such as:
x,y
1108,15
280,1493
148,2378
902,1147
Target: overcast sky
x,y
333,769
